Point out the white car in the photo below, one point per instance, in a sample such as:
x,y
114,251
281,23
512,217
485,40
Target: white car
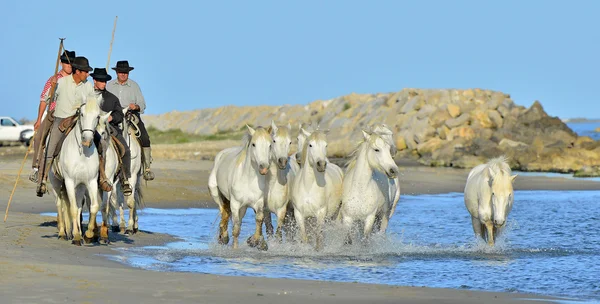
x,y
11,130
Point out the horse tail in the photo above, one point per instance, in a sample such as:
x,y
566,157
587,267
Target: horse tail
x,y
139,196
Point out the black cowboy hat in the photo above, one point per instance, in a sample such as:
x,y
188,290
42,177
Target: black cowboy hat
x,y
100,74
122,67
81,63
67,56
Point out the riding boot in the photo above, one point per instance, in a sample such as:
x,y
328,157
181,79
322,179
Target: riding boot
x,y
104,183
41,188
148,175
125,186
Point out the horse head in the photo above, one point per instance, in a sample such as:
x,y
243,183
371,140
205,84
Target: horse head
x,y
304,132
259,146
379,154
89,118
315,150
501,184
282,143
386,134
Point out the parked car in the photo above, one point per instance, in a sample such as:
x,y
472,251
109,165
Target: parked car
x,y
11,130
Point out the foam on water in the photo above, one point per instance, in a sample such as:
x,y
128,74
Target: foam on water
x,y
550,246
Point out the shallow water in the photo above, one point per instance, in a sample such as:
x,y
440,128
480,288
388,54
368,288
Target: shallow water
x,y
551,246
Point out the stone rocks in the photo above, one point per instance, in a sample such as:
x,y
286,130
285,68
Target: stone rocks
x,y
459,128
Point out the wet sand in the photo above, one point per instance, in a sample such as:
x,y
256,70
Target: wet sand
x,y
35,267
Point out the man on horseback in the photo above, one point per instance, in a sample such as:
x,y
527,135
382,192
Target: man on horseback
x,y
46,122
129,93
68,97
110,103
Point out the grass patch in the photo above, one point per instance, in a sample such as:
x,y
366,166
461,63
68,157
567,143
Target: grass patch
x,y
347,106
176,136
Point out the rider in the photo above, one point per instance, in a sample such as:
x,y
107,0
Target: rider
x,y
68,98
129,93
46,122
110,103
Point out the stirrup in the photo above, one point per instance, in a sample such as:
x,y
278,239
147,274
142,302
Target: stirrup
x,y
126,187
33,176
41,189
148,175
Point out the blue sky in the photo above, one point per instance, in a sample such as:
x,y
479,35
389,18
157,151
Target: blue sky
x,y
198,54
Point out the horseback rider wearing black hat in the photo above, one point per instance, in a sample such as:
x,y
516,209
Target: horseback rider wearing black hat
x,y
42,126
110,103
130,95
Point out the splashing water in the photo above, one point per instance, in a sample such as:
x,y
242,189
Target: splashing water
x,y
550,246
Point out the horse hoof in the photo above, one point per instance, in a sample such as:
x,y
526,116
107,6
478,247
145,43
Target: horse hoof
x,y
88,240
116,229
263,246
62,238
104,241
129,232
122,230
252,242
76,242
223,240
135,230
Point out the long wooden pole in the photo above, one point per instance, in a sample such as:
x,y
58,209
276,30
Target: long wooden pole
x,y
60,48
111,42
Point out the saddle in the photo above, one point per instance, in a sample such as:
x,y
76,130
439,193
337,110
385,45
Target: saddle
x,y
119,147
66,126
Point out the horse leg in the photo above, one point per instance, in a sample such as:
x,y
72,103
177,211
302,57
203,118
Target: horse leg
x,y
490,232
320,218
131,205
347,222
289,224
257,240
385,220
369,221
268,222
237,223
477,227
74,211
225,210
281,214
92,230
301,226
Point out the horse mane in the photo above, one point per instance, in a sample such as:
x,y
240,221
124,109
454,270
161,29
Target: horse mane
x,y
353,156
499,165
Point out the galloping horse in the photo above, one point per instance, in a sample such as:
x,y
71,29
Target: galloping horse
x,y
317,188
279,179
366,184
489,197
238,181
76,171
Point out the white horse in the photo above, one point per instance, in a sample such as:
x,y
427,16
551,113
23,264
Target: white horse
x,y
279,179
367,184
301,138
489,197
135,201
74,175
317,188
394,184
238,181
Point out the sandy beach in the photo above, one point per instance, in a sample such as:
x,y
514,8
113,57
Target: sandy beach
x,y
38,268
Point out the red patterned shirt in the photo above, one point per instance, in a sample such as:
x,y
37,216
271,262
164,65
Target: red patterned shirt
x,y
46,91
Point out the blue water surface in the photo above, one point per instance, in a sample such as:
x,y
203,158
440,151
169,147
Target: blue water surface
x,y
551,247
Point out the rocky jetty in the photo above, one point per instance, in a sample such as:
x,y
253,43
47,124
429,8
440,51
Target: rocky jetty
x,y
457,128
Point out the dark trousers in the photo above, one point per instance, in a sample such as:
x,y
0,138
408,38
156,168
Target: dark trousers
x,y
144,137
103,147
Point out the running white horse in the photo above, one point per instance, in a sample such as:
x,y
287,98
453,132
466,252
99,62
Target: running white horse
x,y
367,184
238,181
489,197
301,138
394,184
317,188
135,201
74,174
279,179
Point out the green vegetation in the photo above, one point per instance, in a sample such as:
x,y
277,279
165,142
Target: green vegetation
x,y
176,136
347,106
